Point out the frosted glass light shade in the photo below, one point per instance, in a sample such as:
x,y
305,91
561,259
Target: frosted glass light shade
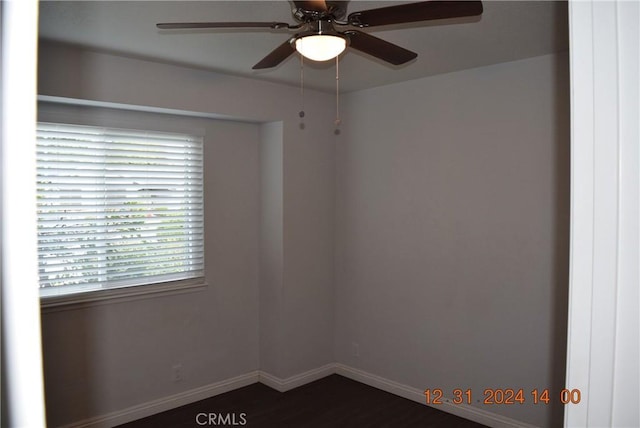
x,y
320,47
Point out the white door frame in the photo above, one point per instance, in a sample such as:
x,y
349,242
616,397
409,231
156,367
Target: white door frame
x,y
23,401
602,343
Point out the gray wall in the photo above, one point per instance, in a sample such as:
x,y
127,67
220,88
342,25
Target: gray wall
x,y
433,235
452,231
271,252
109,357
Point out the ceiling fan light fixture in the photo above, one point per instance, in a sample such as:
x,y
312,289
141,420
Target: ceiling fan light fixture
x,y
320,47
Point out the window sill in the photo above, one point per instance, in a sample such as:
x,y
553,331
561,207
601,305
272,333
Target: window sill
x,y
118,295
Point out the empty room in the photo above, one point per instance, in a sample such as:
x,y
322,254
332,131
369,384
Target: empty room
x,y
323,213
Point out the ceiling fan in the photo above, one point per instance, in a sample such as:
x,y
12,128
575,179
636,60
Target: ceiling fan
x,y
318,22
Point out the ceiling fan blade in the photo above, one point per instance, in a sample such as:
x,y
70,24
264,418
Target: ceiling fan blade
x,y
276,56
186,25
312,5
379,48
415,12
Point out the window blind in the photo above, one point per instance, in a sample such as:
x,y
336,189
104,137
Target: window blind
x,y
117,207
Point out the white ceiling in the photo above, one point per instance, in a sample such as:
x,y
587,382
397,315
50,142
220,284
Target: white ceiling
x,y
507,31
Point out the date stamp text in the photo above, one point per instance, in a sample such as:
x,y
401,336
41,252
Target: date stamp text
x,y
500,396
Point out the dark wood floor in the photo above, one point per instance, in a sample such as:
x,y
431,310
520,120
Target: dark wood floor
x,y
334,401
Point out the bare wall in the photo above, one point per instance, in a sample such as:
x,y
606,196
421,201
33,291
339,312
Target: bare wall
x,y
105,357
450,223
215,333
452,232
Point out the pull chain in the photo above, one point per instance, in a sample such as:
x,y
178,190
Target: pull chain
x,y
337,121
301,113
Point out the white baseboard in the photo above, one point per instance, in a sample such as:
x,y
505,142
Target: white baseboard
x,y
295,381
464,411
167,403
157,406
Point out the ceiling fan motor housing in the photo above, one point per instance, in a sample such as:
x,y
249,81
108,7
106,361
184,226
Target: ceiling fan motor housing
x,y
307,11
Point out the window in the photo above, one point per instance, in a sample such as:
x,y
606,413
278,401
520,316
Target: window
x,y
117,208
